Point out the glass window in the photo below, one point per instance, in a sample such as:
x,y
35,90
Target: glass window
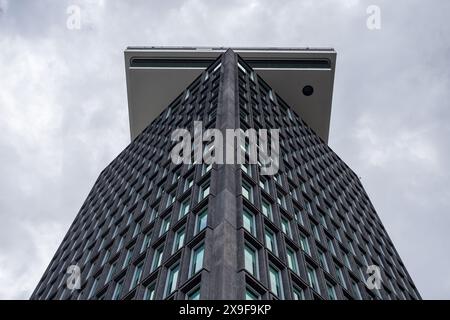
x,y
251,295
184,208
347,261
305,244
247,192
249,222
194,294
179,239
165,225
299,217
356,290
247,169
282,201
323,261
106,257
111,271
264,184
197,259
119,246
323,221
172,279
175,176
128,257
93,288
292,260
188,183
331,246
286,227
130,217
340,277
278,179
137,229
338,236
312,278
206,168
91,268
267,209
331,292
201,221
171,198
316,232
149,293
298,294
269,237
137,275
204,191
251,260
153,214
159,191
308,208
117,290
146,241
157,257
275,281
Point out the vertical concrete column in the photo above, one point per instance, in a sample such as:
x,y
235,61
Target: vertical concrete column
x,y
223,280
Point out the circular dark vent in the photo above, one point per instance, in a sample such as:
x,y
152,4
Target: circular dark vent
x,y
308,90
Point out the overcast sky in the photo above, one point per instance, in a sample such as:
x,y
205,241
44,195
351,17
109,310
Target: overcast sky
x,y
63,110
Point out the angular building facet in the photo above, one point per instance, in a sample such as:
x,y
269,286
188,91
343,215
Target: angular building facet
x,y
152,229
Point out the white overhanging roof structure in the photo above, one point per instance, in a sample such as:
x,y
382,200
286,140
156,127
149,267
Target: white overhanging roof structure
x,y
157,75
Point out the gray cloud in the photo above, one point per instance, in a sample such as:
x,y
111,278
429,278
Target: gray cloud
x,y
64,111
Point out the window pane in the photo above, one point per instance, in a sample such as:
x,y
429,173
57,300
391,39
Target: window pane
x,y
201,221
172,279
298,294
275,281
146,242
249,222
197,259
165,226
286,227
356,290
264,183
93,288
331,246
266,209
312,279
137,229
137,275
184,209
157,258
179,239
188,183
250,295
128,257
304,244
204,191
247,192
270,241
117,290
331,292
292,260
150,292
340,276
323,261
194,294
111,271
250,258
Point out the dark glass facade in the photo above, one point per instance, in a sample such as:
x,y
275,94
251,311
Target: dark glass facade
x,y
151,229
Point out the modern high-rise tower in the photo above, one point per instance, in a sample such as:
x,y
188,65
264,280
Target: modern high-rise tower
x,y
153,229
